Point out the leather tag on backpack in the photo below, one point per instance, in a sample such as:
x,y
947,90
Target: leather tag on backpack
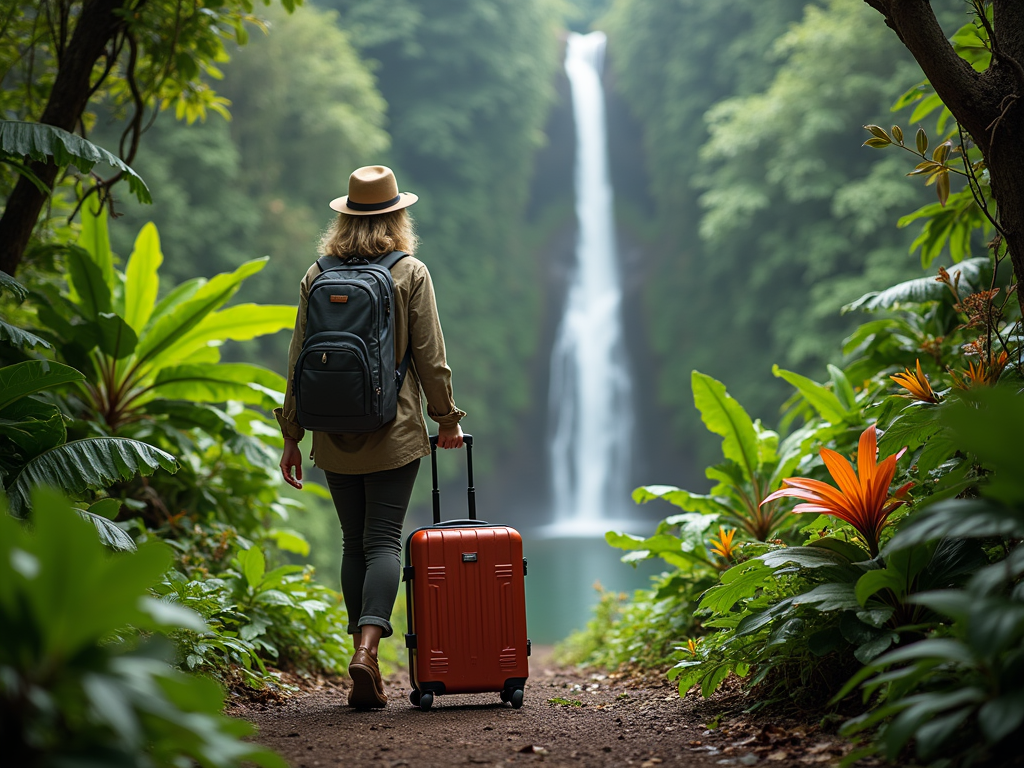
x,y
337,299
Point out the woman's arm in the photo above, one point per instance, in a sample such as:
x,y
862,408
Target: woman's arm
x,y
290,429
428,355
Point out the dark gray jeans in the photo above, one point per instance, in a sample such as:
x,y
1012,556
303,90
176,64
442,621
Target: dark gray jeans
x,y
371,509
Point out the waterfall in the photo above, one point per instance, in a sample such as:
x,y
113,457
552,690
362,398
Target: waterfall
x,y
591,392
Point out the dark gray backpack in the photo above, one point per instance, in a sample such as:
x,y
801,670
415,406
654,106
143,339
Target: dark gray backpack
x,y
345,378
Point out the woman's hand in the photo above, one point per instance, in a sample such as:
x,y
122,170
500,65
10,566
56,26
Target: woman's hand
x,y
292,457
449,437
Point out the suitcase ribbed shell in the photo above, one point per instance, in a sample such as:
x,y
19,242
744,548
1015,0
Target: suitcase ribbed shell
x,y
467,609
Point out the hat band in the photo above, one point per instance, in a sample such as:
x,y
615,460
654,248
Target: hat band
x,y
373,206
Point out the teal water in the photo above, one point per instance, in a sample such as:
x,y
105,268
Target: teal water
x,y
560,593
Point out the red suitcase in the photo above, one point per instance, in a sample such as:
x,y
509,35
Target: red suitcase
x,y
466,602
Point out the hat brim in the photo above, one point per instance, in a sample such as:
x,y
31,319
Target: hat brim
x,y
340,205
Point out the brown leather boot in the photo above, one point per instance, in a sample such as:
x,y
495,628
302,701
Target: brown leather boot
x,y
367,687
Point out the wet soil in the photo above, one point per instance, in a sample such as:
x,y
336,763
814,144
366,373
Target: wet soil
x,y
569,718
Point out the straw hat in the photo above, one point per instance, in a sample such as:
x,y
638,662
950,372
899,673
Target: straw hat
x,y
372,189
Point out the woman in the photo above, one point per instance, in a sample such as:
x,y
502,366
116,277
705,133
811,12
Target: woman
x,y
371,475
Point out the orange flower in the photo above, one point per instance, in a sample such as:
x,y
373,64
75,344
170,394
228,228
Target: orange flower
x,y
863,501
917,385
722,545
984,374
691,646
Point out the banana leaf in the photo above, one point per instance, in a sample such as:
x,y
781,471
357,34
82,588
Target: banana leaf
x,y
21,339
82,465
165,330
41,142
23,379
724,416
142,279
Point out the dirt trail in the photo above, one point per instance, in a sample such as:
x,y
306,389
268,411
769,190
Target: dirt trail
x,y
569,718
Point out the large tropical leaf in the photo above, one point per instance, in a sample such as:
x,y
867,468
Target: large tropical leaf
x,y
90,291
691,502
38,141
823,400
109,534
164,331
959,518
9,285
95,239
238,323
114,336
27,428
219,383
182,414
88,464
23,379
724,416
972,274
19,338
178,295
142,279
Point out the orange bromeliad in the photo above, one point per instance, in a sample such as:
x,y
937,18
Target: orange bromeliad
x,y
984,374
722,544
863,501
917,384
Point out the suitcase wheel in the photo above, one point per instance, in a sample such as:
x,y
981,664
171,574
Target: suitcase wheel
x,y
414,697
506,694
517,698
426,699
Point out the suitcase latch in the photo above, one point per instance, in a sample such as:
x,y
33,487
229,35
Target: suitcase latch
x,y
469,557
407,573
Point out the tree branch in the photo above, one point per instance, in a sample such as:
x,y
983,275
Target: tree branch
x,y
955,81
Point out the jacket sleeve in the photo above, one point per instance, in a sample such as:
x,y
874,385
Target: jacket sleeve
x,y
428,352
286,415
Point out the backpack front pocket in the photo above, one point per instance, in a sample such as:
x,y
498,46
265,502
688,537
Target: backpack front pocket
x,y
333,378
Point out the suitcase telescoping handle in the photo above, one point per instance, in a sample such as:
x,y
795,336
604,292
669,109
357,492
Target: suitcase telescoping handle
x,y
468,442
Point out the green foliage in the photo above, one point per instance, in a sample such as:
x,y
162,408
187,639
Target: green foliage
x,y
760,157
21,142
755,463
36,453
960,687
642,632
798,621
255,615
156,57
72,691
260,184
140,354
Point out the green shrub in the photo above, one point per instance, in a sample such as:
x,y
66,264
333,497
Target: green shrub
x,y
641,632
256,616
76,684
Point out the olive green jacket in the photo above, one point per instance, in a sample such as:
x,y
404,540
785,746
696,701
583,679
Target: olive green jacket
x,y
404,439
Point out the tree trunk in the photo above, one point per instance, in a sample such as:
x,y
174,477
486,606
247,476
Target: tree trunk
x,y
1006,170
97,27
989,105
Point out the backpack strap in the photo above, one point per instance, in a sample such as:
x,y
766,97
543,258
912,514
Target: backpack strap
x,y
388,262
328,262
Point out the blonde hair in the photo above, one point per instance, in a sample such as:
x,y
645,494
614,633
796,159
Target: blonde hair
x,y
369,236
